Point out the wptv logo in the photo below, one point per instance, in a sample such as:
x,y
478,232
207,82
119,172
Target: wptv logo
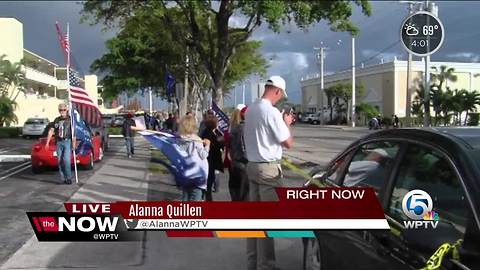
x,y
417,205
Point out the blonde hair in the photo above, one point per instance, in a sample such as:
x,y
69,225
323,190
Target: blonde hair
x,y
235,118
187,126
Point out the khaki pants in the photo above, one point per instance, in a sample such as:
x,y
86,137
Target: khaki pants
x,y
263,178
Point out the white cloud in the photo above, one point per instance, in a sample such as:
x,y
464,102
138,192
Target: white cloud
x,y
286,62
465,56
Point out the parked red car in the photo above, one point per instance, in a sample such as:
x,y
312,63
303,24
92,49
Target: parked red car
x,y
42,158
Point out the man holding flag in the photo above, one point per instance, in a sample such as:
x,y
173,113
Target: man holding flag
x,y
64,141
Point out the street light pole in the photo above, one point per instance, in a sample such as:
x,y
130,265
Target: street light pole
x,y
243,93
353,81
408,101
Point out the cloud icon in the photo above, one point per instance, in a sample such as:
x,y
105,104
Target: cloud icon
x,y
412,30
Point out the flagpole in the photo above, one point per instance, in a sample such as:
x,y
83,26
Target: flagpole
x,y
70,105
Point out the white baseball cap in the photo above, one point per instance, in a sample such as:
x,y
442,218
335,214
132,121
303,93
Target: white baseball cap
x,y
380,152
278,82
240,106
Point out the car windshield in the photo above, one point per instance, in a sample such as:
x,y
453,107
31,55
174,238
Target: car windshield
x,y
36,121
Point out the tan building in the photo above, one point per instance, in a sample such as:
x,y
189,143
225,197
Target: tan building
x,y
385,84
46,81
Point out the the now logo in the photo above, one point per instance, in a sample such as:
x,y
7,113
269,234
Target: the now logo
x,y
76,223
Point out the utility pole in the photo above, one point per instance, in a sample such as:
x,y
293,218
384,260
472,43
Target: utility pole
x,y
431,7
408,101
353,81
321,59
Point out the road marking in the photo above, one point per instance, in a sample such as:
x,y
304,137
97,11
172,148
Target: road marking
x,y
16,167
15,172
14,158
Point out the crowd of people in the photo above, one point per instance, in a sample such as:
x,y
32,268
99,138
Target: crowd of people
x,y
251,151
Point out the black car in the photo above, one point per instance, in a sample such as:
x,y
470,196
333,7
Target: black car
x,y
443,162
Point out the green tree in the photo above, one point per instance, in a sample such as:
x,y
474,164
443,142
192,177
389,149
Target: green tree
x,y
7,108
204,25
445,74
470,102
11,76
142,52
366,111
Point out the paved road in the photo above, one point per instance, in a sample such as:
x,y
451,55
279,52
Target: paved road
x,y
118,178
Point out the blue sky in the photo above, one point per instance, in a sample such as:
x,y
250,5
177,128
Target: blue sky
x,y
291,50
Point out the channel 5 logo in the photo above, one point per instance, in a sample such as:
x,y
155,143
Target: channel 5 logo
x,y
417,205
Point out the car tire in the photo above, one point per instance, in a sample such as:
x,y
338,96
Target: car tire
x,y
37,170
312,255
89,165
315,122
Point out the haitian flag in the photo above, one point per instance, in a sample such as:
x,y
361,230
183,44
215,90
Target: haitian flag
x,y
82,135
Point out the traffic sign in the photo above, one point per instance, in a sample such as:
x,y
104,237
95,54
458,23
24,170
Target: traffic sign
x,y
422,33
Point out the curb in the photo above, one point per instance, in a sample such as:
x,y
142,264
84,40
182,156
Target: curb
x,y
14,158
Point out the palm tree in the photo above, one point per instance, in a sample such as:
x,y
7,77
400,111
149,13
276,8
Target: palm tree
x,y
7,108
332,98
445,74
470,102
11,75
447,105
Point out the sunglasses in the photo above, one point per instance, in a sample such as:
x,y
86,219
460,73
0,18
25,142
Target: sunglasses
x,y
62,110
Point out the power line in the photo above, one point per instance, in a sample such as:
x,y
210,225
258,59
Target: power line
x,y
373,56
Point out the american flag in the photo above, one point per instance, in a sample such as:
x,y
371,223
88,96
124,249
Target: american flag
x,y
82,103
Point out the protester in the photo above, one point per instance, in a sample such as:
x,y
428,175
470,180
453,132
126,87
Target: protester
x,y
396,121
215,154
171,123
369,170
128,132
238,182
153,122
265,132
63,139
373,124
198,151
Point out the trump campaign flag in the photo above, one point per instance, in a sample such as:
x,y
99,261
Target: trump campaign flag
x,y
222,118
82,135
180,163
169,84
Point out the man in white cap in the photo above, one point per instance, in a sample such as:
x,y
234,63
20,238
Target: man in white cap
x,y
266,132
369,169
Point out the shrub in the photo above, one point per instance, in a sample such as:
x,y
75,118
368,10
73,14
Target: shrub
x,y
473,119
10,132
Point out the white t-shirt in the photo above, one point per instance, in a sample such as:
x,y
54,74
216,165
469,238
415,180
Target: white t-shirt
x,y
264,132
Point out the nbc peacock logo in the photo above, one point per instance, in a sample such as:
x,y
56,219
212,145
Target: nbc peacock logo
x,y
431,215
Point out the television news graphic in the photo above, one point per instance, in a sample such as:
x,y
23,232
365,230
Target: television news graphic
x,y
417,205
297,212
